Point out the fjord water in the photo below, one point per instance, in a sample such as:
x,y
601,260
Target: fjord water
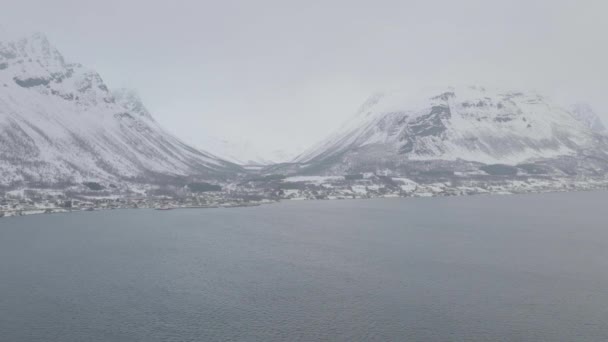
x,y
482,268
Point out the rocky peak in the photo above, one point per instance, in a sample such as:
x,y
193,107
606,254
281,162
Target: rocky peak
x,y
33,53
59,124
32,63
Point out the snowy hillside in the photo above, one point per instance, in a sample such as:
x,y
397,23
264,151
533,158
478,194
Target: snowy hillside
x,y
585,114
245,152
459,125
60,124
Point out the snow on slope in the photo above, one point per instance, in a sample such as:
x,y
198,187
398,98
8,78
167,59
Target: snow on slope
x,y
469,124
244,152
59,123
585,114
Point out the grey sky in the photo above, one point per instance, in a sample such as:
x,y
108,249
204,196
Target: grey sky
x,y
283,74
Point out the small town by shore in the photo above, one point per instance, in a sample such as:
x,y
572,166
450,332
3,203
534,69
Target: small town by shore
x,y
266,190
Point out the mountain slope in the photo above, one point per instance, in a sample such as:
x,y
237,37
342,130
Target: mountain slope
x,y
453,128
583,113
244,152
60,124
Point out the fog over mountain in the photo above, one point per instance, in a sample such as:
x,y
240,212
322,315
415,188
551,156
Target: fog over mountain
x,y
282,73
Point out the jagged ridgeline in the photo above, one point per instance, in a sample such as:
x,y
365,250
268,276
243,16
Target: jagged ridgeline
x,y
466,130
61,125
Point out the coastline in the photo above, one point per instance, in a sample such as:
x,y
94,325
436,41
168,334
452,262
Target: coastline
x,y
47,211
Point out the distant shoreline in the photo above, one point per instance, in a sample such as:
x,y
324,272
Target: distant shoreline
x,y
257,204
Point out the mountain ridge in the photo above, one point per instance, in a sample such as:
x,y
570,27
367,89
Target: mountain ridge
x,y
471,124
60,123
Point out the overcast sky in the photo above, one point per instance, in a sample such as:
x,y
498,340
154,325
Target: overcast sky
x,y
283,74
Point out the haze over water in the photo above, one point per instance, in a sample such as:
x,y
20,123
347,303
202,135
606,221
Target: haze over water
x,y
481,268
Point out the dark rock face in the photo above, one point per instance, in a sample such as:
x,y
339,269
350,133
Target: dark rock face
x,y
93,186
407,147
431,124
31,82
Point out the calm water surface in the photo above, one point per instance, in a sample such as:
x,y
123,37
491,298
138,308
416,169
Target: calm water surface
x,y
484,268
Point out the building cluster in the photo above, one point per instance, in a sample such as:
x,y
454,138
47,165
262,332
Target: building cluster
x,y
271,189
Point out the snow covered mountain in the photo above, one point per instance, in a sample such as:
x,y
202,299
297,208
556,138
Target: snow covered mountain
x,y
244,152
458,129
585,114
60,124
